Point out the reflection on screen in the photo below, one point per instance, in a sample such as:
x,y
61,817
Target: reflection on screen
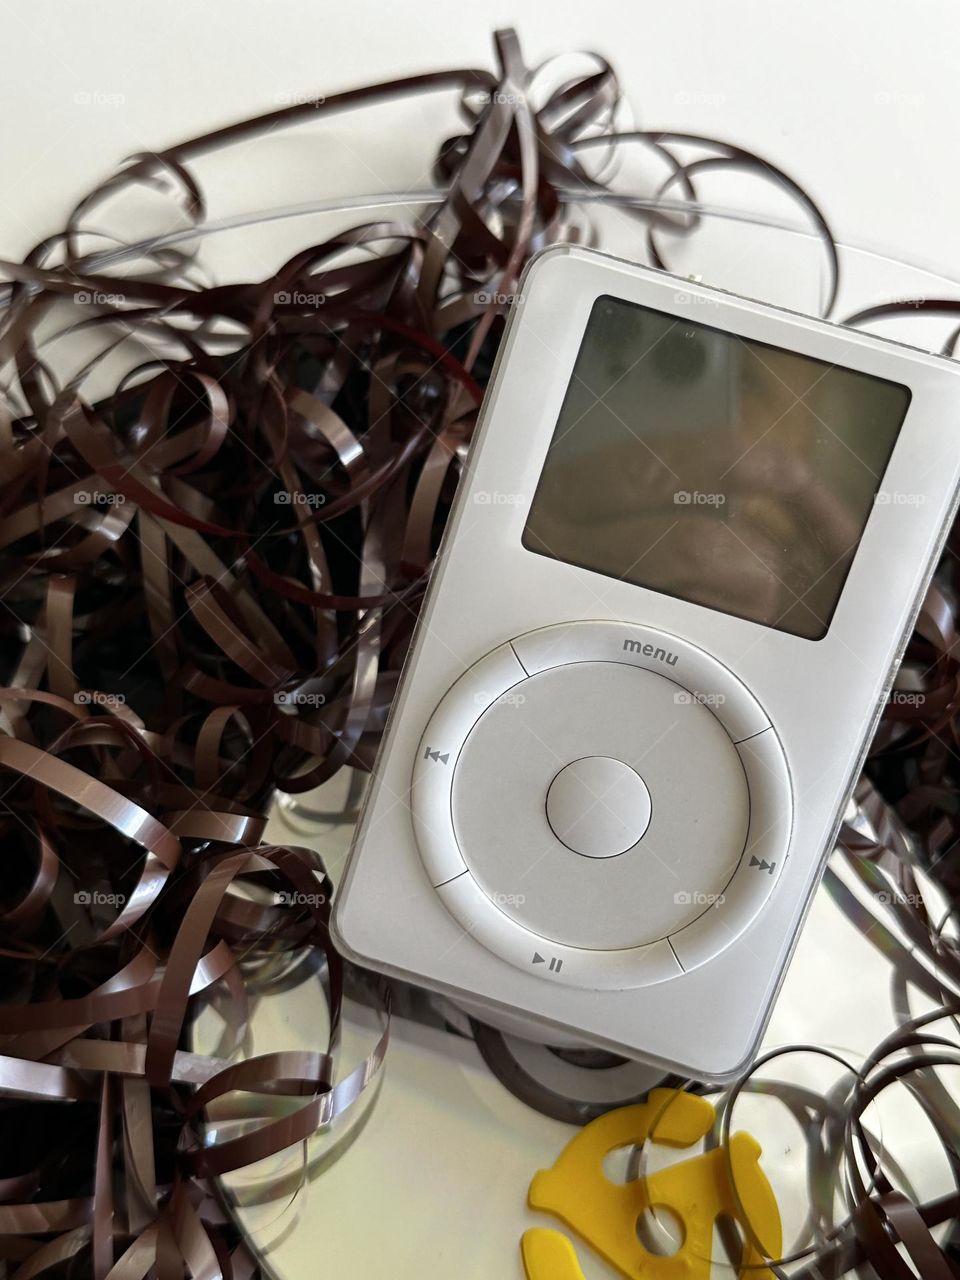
x,y
723,471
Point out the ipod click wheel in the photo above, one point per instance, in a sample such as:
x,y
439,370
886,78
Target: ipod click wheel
x,y
602,802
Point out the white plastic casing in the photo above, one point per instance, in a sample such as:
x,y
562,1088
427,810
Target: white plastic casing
x,y
701,1011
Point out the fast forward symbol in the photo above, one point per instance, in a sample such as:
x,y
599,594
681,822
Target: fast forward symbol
x,y
763,865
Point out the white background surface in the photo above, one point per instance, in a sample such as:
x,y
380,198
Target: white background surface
x,y
857,100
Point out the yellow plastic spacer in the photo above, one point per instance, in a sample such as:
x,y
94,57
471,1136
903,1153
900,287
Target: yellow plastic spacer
x,y
697,1191
548,1255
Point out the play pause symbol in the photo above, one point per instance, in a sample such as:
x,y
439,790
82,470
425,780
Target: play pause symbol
x,y
555,964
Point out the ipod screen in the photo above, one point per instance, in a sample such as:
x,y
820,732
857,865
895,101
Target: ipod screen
x,y
723,471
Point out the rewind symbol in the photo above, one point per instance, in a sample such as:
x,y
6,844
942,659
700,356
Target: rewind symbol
x,y
763,865
435,755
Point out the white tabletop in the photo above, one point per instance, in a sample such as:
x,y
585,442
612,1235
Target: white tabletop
x,y
857,100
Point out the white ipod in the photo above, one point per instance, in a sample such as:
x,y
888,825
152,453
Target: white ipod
x,y
686,555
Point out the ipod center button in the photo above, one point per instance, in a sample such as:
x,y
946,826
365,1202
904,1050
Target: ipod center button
x,y
598,806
